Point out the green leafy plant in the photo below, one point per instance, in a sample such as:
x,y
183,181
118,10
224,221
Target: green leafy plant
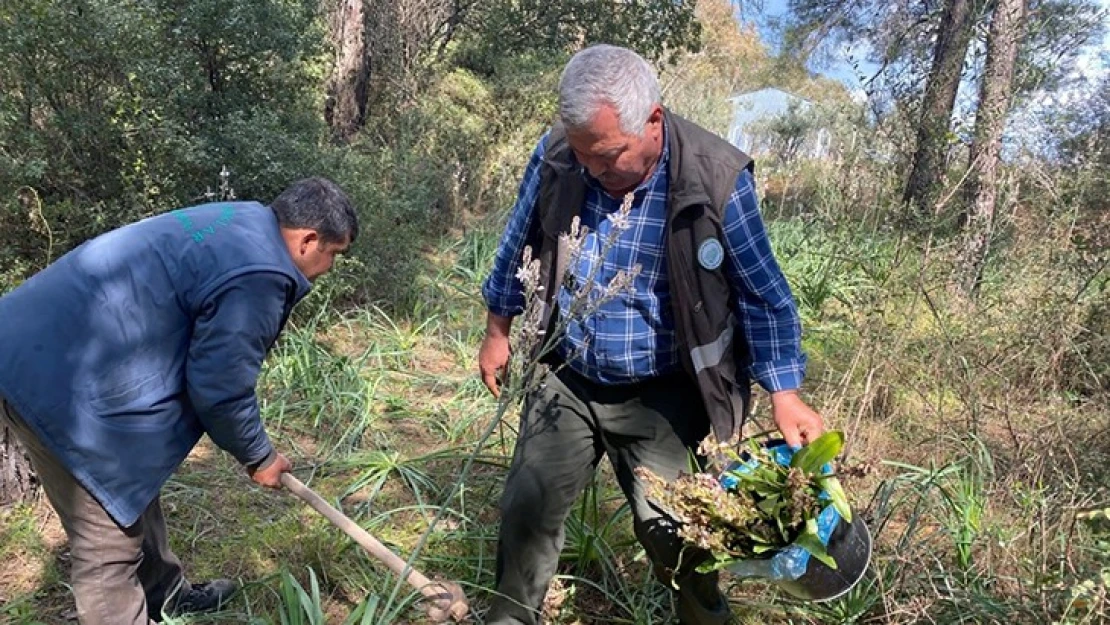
x,y
757,506
301,606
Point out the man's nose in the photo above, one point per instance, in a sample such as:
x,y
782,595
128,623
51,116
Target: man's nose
x,y
596,167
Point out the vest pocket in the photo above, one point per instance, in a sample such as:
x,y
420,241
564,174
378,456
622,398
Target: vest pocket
x,y
109,399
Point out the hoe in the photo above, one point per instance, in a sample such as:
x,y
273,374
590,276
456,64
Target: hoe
x,y
446,599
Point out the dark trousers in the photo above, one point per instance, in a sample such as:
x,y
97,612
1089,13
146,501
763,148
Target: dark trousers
x,y
119,573
568,424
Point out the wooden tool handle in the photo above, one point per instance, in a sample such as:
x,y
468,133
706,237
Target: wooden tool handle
x,y
361,536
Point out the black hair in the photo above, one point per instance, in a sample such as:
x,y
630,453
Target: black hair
x,y
319,204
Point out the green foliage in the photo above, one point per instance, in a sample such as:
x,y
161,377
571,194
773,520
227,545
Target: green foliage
x,y
114,111
298,606
498,29
789,132
759,506
596,528
151,96
305,607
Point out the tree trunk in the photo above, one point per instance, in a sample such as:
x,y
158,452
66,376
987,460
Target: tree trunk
x,y
17,479
348,91
929,159
995,93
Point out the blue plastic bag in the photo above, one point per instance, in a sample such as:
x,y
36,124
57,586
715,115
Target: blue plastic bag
x,y
791,562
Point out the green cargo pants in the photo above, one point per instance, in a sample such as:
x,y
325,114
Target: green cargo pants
x,y
566,427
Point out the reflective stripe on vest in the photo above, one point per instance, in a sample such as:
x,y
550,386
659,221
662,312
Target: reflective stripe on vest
x,y
711,354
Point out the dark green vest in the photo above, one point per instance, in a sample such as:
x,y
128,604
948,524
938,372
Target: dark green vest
x,y
702,173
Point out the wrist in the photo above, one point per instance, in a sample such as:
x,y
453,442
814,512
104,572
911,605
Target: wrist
x,y
784,395
498,326
264,463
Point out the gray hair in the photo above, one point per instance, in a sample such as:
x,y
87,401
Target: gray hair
x,y
604,74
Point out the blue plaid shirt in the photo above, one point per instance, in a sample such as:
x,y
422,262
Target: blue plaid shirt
x,y
631,337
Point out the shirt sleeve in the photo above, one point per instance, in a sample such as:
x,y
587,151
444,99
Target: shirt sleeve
x,y
236,327
767,308
502,291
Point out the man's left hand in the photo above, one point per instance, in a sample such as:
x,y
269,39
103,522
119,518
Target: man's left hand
x,y
799,424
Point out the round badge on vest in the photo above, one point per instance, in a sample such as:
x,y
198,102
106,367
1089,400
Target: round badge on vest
x,y
711,254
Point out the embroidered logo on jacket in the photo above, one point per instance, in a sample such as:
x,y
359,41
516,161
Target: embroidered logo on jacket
x,y
199,234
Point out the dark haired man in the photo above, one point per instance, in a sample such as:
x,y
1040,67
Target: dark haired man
x,y
119,356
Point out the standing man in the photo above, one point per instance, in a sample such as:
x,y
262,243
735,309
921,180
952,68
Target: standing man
x,y
115,359
645,377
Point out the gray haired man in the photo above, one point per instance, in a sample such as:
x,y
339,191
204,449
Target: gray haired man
x,y
644,378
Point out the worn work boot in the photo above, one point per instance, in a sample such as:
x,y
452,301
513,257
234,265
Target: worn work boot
x,y
205,597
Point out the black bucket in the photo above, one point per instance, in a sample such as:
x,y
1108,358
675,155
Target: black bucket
x,y
850,547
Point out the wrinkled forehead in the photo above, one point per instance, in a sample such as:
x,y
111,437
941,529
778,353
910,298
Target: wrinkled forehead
x,y
598,140
599,146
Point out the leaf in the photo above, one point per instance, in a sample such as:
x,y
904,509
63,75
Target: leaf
x,y
714,565
764,490
365,613
836,494
770,505
812,543
757,539
821,451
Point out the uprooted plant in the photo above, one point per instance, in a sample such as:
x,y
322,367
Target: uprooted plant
x,y
758,505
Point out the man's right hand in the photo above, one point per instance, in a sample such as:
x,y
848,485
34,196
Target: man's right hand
x,y
270,475
493,357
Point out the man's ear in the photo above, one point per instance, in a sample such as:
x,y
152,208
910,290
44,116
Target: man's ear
x,y
308,239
